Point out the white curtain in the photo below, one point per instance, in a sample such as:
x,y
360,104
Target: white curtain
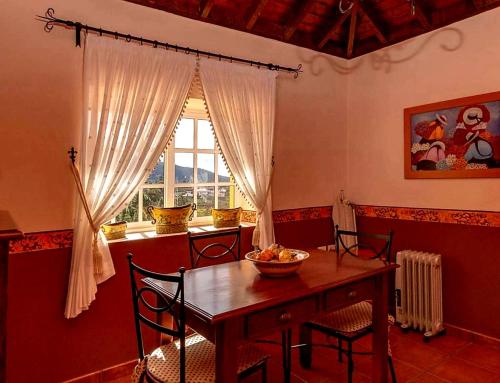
x,y
241,103
132,98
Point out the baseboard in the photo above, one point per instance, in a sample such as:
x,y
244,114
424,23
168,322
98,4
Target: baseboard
x,y
107,375
471,336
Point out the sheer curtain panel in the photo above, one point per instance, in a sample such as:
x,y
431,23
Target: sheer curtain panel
x,y
132,98
241,103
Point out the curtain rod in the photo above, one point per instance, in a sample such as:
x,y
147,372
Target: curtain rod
x,y
50,20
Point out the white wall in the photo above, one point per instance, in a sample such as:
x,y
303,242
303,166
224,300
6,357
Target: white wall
x,y
339,123
40,90
460,60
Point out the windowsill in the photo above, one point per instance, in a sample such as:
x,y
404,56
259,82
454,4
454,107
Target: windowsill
x,y
139,234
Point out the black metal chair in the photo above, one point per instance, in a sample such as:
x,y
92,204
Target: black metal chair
x,y
201,246
188,358
353,322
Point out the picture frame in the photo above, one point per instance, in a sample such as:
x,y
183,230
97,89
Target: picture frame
x,y
457,138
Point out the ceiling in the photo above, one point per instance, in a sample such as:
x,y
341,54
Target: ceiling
x,y
320,25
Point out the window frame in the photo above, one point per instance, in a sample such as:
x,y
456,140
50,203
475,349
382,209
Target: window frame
x,y
169,183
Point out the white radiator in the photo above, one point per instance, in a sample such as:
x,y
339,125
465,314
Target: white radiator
x,y
419,300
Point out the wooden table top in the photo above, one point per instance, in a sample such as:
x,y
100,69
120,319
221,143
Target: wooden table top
x,y
231,289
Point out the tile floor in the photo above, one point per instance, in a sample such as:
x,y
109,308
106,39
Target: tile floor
x,y
444,359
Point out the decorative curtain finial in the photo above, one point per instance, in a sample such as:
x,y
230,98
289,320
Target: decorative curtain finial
x,y
72,154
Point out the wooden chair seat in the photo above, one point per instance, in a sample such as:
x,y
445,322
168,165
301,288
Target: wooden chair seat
x,y
350,322
163,363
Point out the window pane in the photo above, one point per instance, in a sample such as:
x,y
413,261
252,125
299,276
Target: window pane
x,y
184,135
226,197
157,175
151,197
206,139
224,175
131,212
183,196
205,200
206,167
184,172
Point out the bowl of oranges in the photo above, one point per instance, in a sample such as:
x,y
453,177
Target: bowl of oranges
x,y
277,261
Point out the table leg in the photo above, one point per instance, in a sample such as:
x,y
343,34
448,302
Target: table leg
x,y
305,351
166,320
380,311
226,352
286,351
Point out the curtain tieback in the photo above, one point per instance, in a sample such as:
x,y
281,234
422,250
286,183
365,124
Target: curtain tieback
x,y
96,254
256,231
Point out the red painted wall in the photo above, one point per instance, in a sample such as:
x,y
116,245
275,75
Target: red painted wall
x,y
471,266
100,337
104,335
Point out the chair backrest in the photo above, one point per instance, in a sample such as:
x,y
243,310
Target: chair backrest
x,y
174,306
366,245
213,246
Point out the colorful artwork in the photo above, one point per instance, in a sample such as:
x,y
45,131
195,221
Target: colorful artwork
x,y
457,138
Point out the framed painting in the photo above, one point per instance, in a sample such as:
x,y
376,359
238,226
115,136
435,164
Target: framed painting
x,y
453,139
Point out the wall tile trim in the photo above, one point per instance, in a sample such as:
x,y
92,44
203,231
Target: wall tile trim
x,y
47,240
461,217
61,239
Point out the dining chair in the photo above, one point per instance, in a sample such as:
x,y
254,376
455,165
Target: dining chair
x,y
187,359
209,248
202,247
355,321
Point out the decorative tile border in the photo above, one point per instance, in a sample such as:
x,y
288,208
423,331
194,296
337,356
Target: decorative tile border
x,y
461,217
290,215
303,214
48,240
61,239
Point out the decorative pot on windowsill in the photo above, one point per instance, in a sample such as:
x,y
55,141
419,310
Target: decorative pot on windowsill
x,y
169,220
226,217
114,230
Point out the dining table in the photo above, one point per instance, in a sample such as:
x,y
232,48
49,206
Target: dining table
x,y
232,302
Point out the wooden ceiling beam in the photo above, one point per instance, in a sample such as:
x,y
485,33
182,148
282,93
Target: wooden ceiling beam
x,y
206,7
259,6
473,4
479,5
297,18
378,31
422,17
352,29
322,32
334,28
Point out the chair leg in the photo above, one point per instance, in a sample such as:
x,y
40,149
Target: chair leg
x,y
350,363
340,349
391,368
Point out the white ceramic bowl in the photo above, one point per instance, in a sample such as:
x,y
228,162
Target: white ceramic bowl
x,y
275,268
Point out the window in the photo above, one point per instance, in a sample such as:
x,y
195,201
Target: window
x,y
191,169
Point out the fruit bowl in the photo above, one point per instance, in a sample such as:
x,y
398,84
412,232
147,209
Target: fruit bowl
x,y
275,268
